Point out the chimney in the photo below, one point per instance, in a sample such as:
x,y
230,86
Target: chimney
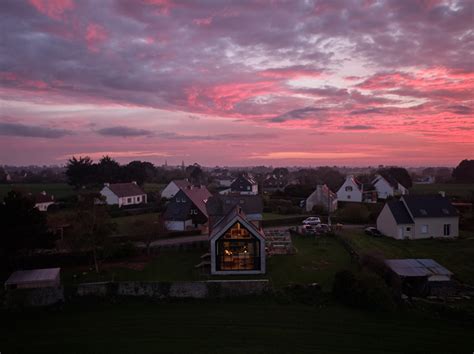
x,y
106,184
442,193
134,182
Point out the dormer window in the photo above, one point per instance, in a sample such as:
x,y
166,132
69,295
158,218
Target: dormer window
x,y
445,211
423,212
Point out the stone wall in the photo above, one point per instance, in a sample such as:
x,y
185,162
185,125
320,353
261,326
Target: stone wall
x,y
182,289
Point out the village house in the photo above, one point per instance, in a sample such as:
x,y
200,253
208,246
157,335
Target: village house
x,y
354,191
323,197
417,217
219,206
187,209
274,183
43,200
244,184
173,187
387,186
237,246
123,194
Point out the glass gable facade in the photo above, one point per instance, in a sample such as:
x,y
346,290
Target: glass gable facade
x,y
237,250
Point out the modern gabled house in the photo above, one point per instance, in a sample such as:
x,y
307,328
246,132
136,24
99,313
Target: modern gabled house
x,y
237,246
219,206
43,200
354,191
244,184
173,187
388,186
417,217
187,209
322,196
123,194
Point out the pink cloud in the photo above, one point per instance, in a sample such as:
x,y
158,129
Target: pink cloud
x,y
53,8
95,36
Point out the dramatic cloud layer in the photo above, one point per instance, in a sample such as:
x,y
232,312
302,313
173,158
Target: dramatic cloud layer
x,y
238,82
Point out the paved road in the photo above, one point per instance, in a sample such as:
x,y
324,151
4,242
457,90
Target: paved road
x,y
174,241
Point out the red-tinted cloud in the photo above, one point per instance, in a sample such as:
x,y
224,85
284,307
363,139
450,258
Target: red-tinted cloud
x,y
53,8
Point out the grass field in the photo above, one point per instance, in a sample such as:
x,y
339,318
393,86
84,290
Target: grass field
x,y
125,224
456,255
316,262
59,190
228,326
451,190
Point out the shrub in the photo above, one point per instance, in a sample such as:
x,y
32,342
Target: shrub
x,y
362,290
354,213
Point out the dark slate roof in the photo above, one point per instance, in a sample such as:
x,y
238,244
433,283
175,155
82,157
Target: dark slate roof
x,y
181,183
199,196
125,189
400,212
220,205
226,221
426,206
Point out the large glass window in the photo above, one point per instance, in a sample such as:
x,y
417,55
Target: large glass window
x,y
238,249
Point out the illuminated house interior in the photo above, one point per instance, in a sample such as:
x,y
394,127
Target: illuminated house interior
x,y
237,246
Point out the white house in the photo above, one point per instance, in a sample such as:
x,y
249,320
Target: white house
x,y
173,187
354,191
123,194
237,245
323,197
43,201
387,186
417,217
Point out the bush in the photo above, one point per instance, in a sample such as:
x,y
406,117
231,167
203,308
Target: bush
x,y
362,290
356,213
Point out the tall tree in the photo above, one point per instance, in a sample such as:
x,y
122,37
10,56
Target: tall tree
x,y
464,172
108,170
80,171
23,227
91,226
139,171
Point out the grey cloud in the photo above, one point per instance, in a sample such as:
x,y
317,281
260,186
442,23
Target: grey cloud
x,y
297,114
16,129
367,111
124,131
358,127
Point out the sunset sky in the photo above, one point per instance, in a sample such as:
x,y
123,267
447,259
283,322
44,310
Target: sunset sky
x,y
237,82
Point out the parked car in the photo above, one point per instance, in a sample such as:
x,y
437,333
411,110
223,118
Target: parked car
x,y
312,220
372,231
309,229
323,228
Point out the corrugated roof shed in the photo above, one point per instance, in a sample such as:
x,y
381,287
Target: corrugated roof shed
x,y
33,275
417,267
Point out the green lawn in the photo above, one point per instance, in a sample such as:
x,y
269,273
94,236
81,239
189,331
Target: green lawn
x,y
227,326
125,224
451,190
316,262
457,255
59,190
